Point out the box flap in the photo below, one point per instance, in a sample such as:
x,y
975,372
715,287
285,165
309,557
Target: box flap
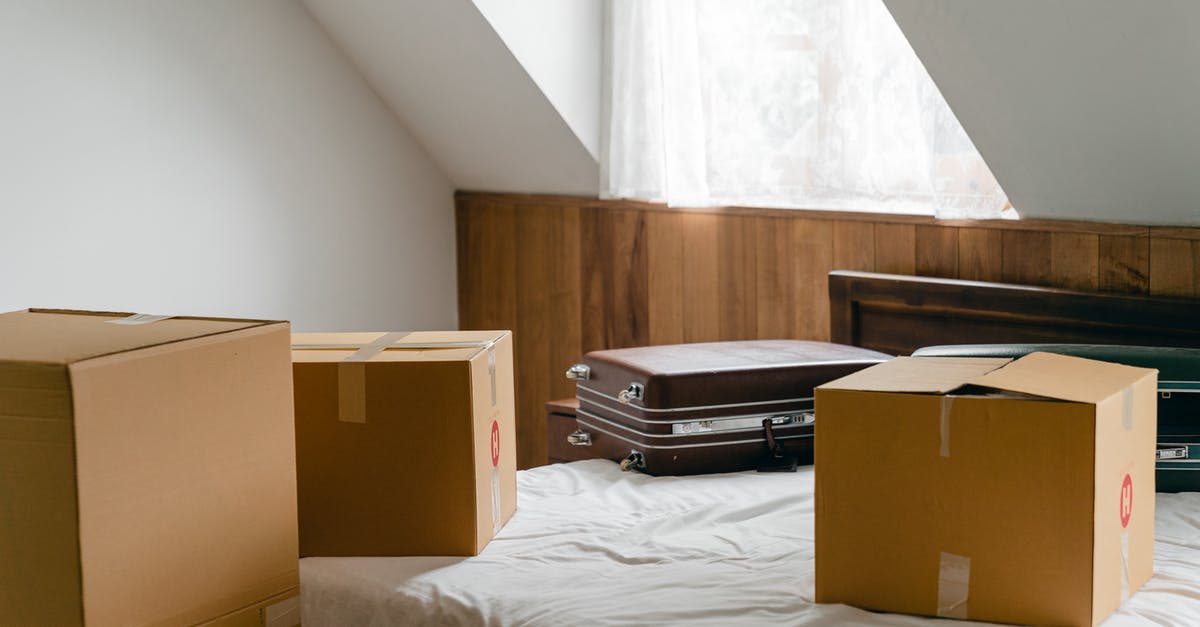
x,y
1063,377
63,336
930,375
413,346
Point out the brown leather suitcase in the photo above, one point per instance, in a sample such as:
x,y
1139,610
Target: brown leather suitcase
x,y
713,407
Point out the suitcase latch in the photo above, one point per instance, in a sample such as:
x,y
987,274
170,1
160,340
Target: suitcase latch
x,y
579,438
1171,452
635,461
579,372
631,393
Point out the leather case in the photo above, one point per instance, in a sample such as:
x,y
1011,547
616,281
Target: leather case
x,y
708,407
1178,465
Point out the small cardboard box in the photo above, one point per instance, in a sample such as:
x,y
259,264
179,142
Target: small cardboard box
x,y
406,442
147,468
1016,492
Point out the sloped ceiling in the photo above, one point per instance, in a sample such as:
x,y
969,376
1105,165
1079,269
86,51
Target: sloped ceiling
x,y
460,91
1083,109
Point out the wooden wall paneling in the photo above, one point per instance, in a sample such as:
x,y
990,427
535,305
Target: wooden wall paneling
x,y
1173,267
980,254
1124,263
629,318
614,277
665,277
774,279
812,258
937,251
853,245
736,272
1026,258
487,275
548,312
1075,260
701,280
896,248
570,275
595,277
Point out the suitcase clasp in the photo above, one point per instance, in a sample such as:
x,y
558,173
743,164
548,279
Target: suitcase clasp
x,y
579,438
632,393
635,461
578,372
1168,451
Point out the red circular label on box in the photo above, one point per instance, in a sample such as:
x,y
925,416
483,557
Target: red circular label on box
x,y
495,444
1126,500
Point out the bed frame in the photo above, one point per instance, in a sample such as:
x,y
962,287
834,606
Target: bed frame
x,y
898,314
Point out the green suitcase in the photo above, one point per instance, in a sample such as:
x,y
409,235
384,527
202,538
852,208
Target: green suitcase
x,y
1178,456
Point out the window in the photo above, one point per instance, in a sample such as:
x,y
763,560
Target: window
x,y
815,104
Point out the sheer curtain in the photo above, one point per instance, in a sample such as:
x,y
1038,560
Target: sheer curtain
x,y
815,104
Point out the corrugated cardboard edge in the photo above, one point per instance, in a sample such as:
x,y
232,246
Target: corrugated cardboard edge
x,y
253,613
251,324
500,515
291,578
352,377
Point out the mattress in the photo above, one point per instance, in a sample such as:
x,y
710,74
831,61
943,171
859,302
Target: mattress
x,y
590,544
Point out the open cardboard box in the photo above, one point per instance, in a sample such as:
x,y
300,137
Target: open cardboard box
x,y
1019,492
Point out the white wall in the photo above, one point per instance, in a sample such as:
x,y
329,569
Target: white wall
x,y
218,157
451,79
560,44
1083,109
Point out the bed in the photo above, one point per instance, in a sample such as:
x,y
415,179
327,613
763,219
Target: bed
x,y
590,544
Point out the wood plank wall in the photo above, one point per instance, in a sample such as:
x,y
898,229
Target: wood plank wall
x,y
570,275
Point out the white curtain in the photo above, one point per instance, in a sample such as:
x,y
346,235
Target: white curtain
x,y
815,104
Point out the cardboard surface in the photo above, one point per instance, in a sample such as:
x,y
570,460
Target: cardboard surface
x,y
63,337
989,507
148,472
395,450
918,374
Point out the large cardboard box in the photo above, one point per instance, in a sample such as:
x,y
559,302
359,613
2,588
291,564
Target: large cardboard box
x,y
406,442
1017,492
147,469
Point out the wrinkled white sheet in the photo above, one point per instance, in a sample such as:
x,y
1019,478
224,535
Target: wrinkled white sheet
x,y
590,544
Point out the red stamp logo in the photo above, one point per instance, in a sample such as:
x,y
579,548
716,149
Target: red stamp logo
x,y
1126,500
495,443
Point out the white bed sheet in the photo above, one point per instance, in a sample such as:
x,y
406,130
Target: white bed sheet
x,y
590,545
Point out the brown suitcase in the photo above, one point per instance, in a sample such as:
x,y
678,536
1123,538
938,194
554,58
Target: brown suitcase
x,y
704,408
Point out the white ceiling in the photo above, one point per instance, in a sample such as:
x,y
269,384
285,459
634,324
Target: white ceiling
x,y
1083,109
443,69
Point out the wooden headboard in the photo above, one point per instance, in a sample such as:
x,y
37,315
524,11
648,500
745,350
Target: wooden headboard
x,y
898,314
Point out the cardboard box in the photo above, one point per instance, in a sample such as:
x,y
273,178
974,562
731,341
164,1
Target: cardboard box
x,y
406,442
1017,492
147,467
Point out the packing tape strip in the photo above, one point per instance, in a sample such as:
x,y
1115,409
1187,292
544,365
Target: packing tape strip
x,y
352,371
1124,566
491,349
944,425
954,585
1127,408
352,378
285,613
137,319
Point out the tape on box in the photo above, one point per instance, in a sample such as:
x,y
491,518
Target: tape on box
x,y
352,371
